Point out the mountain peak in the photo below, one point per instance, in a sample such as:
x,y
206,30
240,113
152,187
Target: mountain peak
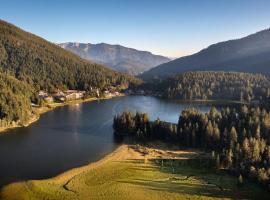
x,y
117,57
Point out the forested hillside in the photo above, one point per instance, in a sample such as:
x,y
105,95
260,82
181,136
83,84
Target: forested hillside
x,y
47,66
15,100
29,63
209,85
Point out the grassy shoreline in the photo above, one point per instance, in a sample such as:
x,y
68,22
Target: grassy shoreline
x,y
48,107
132,172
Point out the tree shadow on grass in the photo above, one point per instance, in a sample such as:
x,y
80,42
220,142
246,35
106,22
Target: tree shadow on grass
x,y
180,188
187,180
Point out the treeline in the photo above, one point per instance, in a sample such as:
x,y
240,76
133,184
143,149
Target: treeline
x,y
210,85
239,137
140,127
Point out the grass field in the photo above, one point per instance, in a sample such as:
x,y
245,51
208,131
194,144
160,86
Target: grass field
x,y
135,172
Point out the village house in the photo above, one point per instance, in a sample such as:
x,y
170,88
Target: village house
x,y
48,99
68,95
111,93
107,93
59,96
44,95
74,94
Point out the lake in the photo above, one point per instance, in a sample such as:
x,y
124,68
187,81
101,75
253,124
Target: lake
x,y
74,135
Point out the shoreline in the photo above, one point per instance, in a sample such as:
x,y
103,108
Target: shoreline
x,y
132,168
136,152
211,101
48,107
122,153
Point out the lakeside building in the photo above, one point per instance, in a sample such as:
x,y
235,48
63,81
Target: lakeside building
x,y
111,92
45,96
59,96
68,95
74,95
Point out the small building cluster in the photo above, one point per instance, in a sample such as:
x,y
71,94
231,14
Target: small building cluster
x,y
61,96
69,95
111,92
45,96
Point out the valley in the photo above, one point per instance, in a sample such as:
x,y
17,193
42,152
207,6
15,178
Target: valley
x,y
134,100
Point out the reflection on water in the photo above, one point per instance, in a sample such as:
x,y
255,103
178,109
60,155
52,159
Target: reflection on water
x,y
73,135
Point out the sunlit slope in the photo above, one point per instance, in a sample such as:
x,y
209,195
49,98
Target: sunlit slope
x,y
248,54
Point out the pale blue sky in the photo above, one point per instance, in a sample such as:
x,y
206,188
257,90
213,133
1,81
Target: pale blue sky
x,y
168,27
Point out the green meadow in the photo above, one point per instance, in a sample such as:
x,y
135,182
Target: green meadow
x,y
130,173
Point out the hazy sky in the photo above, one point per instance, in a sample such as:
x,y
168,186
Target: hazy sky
x,y
168,27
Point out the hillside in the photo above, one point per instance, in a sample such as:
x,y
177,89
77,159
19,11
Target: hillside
x,y
116,57
15,101
211,85
29,63
47,66
248,54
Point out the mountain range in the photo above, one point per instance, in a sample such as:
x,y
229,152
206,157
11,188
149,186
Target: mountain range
x,y
248,54
116,57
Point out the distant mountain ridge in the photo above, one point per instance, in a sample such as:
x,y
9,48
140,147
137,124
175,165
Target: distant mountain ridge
x,y
248,54
117,57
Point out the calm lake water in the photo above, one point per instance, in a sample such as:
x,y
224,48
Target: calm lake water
x,y
73,135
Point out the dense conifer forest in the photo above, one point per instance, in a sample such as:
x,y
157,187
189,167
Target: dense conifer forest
x,y
15,100
210,85
239,138
49,67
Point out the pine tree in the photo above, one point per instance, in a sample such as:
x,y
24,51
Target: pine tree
x,y
217,161
232,137
229,158
258,132
256,151
240,180
209,134
216,135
